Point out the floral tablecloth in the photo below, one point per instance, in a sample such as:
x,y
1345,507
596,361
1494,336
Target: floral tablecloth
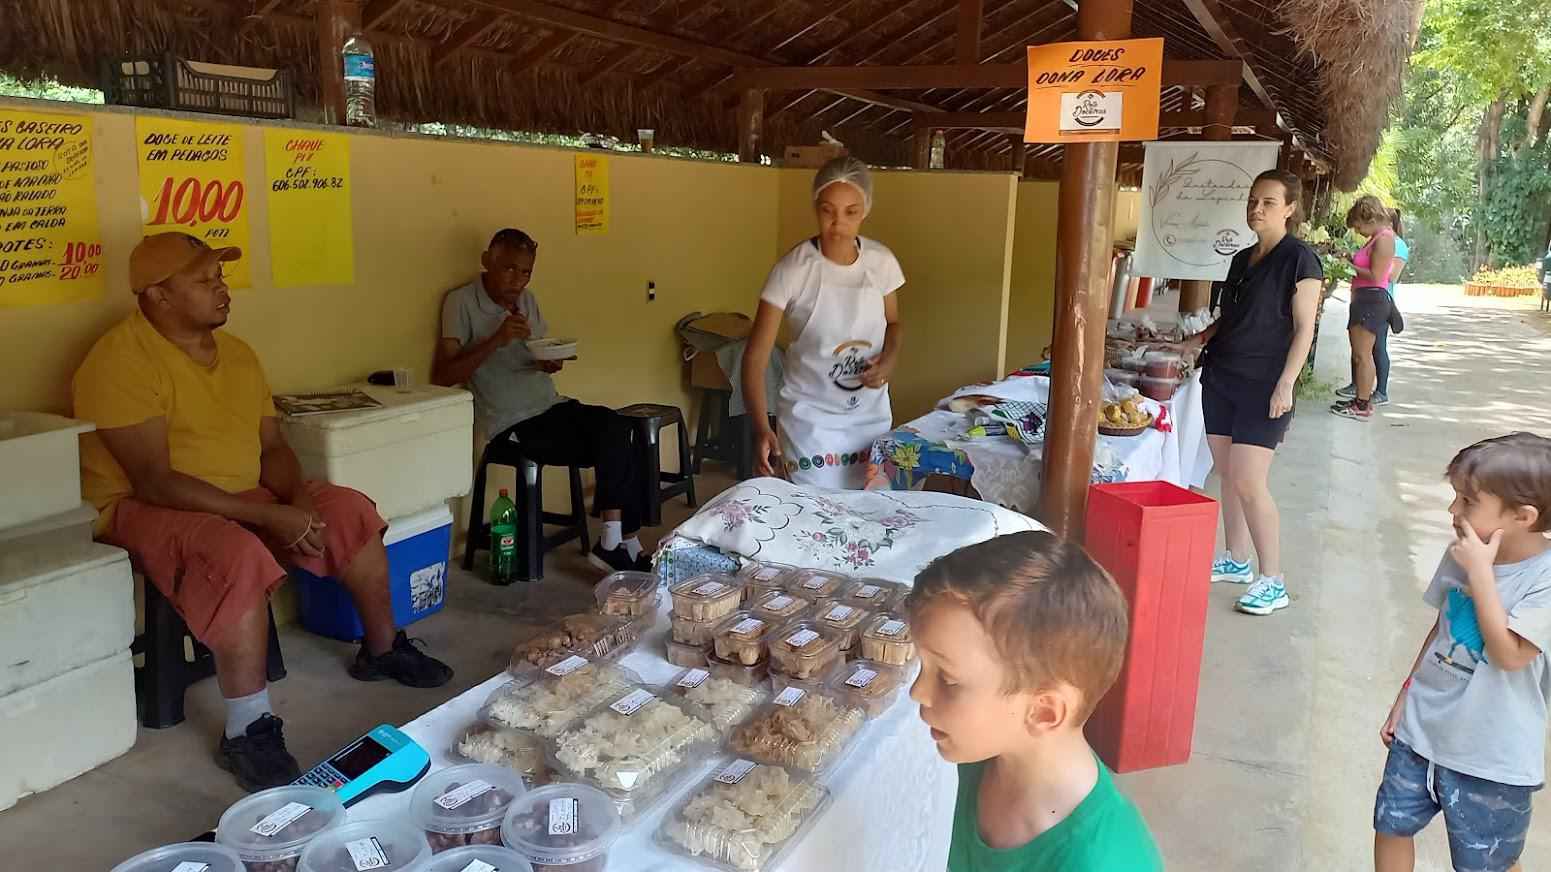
x,y
1007,472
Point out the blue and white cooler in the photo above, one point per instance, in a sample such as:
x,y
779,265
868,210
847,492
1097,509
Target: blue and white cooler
x,y
418,546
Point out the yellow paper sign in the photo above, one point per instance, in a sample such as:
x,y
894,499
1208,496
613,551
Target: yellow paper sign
x,y
311,234
592,194
191,180
50,246
1094,91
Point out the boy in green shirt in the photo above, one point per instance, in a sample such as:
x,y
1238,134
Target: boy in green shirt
x,y
1020,636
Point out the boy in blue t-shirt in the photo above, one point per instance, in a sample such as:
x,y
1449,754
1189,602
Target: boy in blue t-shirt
x,y
1467,733
1020,637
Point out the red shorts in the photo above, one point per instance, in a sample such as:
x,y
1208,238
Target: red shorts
x,y
214,570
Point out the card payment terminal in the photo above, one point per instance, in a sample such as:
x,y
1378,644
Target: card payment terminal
x,y
385,760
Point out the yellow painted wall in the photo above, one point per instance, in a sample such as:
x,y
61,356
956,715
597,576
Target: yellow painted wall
x,y
953,235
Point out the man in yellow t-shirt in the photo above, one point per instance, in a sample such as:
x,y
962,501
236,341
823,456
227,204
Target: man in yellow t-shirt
x,y
191,474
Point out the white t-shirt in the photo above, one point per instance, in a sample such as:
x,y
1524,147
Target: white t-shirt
x,y
794,282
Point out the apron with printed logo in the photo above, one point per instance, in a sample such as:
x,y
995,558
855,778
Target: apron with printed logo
x,y
828,419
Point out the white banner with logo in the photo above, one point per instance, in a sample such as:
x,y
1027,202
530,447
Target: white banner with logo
x,y
1193,196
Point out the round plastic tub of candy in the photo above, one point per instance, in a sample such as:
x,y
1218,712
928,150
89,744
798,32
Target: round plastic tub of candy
x,y
867,685
384,845
871,594
690,656
706,598
637,749
740,638
744,817
1160,389
1163,364
563,828
840,620
557,696
497,857
802,650
748,676
760,578
464,805
270,829
1123,377
805,730
627,594
816,585
720,702
686,631
778,607
204,856
516,750
886,639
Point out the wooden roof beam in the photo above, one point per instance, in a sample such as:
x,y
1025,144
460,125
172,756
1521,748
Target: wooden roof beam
x,y
971,13
610,63
783,43
924,76
378,11
472,31
1212,18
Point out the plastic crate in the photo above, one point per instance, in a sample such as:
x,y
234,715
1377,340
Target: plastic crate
x,y
417,579
169,82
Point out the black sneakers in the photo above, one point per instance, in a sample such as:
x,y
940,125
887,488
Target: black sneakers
x,y
617,560
259,758
404,663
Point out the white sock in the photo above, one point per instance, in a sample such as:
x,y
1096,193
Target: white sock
x,y
633,547
244,710
613,533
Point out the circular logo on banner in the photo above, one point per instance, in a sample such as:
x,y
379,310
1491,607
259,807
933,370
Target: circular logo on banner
x,y
1089,109
1227,242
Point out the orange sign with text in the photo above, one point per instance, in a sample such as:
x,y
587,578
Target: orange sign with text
x,y
1094,91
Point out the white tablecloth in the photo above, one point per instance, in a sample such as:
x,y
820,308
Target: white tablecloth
x,y
893,795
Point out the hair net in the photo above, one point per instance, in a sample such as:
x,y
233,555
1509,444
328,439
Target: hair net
x,y
847,171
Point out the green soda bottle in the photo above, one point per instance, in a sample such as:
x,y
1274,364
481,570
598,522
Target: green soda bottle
x,y
503,538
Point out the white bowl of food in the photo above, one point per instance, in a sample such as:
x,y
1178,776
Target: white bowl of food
x,y
552,349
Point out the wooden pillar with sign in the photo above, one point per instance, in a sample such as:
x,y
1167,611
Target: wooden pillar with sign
x,y
1086,87
338,20
1221,102
751,126
921,149
1016,152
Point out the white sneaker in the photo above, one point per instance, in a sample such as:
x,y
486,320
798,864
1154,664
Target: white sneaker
x,y
1265,596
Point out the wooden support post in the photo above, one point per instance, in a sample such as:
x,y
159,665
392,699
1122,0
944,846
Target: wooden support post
x,y
970,14
1084,222
921,149
1017,151
751,126
338,20
1221,103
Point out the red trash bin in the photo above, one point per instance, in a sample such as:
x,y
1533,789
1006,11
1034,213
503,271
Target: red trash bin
x,y
1144,292
1157,540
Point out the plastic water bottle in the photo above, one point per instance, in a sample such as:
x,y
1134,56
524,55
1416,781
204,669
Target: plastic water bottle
x,y
503,539
360,83
939,150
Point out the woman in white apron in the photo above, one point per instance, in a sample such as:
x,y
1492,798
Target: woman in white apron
x,y
836,290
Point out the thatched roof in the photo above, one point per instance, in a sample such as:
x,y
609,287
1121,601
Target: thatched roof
x,y
1329,67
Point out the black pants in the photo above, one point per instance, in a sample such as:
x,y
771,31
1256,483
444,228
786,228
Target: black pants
x,y
573,433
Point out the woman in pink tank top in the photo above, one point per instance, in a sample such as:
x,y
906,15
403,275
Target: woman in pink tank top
x,y
1371,305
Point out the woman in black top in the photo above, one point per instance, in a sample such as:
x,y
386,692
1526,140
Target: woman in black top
x,y
1254,352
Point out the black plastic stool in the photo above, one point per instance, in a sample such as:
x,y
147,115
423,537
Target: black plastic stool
x,y
723,436
649,419
531,517
167,670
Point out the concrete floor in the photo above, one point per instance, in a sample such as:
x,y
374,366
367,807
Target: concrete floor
x,y
1286,758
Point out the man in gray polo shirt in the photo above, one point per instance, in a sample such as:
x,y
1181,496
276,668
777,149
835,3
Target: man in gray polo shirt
x,y
485,325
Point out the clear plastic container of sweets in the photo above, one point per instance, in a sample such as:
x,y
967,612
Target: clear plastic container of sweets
x,y
840,621
740,638
886,639
1160,389
760,578
748,676
867,685
1163,364
493,857
690,656
801,650
816,585
563,828
778,607
872,594
717,701
202,856
804,730
270,829
517,750
706,598
464,805
627,594
560,695
385,845
744,816
1123,377
594,636
635,749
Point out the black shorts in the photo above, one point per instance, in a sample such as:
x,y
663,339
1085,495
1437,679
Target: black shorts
x,y
1241,409
1370,308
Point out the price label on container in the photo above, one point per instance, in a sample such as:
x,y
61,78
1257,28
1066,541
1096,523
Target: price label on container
x,y
631,702
279,819
461,796
479,866
862,677
801,637
815,583
779,603
789,696
192,181
565,815
367,853
747,626
867,591
735,771
891,628
710,588
768,573
567,666
191,866
839,613
693,678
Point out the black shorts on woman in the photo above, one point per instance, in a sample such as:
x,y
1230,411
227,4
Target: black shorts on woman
x,y
1370,309
1243,362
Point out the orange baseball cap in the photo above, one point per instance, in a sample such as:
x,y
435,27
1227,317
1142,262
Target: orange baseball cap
x,y
162,255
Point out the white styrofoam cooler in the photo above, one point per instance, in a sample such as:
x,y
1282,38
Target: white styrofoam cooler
x,y
63,530
70,724
40,465
412,453
62,608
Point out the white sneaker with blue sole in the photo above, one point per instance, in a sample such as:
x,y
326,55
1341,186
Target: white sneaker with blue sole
x,y
1225,568
1265,596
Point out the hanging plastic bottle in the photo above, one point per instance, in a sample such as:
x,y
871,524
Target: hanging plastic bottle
x,y
360,83
939,149
503,539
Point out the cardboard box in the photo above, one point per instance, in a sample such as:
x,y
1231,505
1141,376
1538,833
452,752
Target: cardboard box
x,y
812,156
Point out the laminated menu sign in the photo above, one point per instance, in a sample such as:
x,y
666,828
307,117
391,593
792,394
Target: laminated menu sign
x,y
50,245
311,225
1102,91
191,180
592,194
